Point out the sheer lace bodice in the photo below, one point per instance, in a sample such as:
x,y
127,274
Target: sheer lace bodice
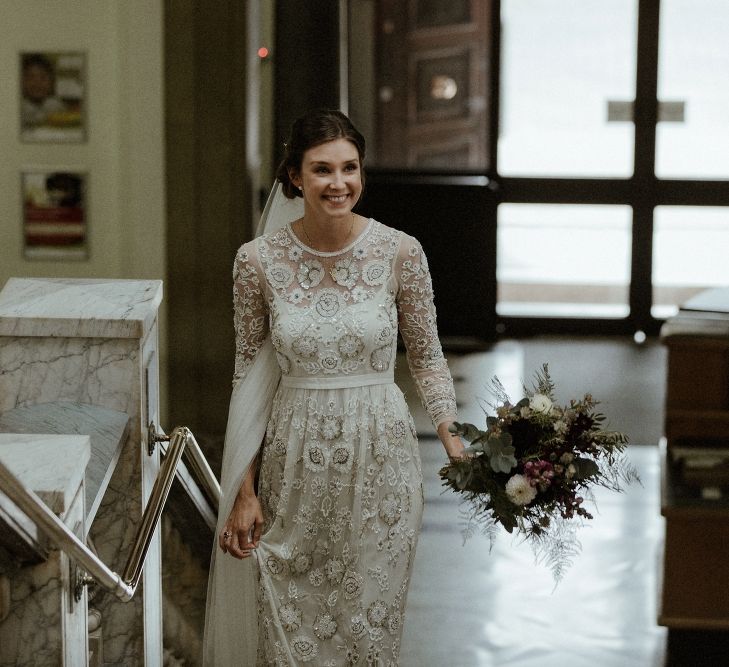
x,y
334,317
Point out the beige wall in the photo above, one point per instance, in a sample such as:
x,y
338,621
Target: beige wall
x,y
124,152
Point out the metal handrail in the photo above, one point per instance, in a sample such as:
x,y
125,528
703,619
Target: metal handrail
x,y
123,586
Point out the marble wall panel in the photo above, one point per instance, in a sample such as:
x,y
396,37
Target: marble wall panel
x,y
98,371
43,628
107,373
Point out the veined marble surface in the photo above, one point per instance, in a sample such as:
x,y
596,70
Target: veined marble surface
x,y
50,465
91,308
42,625
95,342
107,430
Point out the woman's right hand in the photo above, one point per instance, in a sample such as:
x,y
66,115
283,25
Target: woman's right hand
x,y
242,530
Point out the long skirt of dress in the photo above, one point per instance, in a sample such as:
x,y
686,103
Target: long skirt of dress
x,y
340,485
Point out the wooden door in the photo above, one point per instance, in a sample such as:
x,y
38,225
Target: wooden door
x,y
432,74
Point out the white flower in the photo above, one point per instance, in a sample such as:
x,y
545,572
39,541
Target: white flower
x,y
359,253
295,253
290,616
325,626
316,577
304,648
519,490
330,427
390,509
359,294
328,303
560,427
334,570
329,361
305,346
377,613
280,275
375,272
310,273
315,458
350,345
341,457
345,272
540,403
296,296
352,584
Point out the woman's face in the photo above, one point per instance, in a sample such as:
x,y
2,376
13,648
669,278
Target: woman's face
x,y
331,177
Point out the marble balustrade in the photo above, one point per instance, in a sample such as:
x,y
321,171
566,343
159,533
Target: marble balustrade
x,y
94,342
40,621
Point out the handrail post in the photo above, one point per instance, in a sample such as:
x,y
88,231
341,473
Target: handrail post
x,y
123,586
62,536
153,510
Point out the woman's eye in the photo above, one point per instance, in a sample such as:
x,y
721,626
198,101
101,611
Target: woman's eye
x,y
322,170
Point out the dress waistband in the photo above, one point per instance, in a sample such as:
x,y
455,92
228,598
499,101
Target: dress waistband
x,y
337,381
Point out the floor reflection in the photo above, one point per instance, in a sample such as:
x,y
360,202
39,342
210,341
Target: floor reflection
x,y
471,607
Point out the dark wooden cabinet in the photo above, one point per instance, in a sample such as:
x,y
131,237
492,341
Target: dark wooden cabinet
x,y
695,459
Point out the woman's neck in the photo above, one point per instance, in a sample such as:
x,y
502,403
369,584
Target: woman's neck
x,y
331,234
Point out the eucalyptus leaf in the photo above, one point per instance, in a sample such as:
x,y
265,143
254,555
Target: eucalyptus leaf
x,y
504,461
585,468
468,431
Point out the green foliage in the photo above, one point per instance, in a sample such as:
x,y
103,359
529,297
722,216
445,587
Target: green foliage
x,y
559,451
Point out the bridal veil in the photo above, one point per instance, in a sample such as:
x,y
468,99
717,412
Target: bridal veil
x,y
231,618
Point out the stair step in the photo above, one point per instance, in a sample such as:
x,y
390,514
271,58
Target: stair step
x,y
107,430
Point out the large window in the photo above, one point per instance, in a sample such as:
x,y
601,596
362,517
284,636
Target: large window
x,y
581,145
563,260
690,254
693,81
567,80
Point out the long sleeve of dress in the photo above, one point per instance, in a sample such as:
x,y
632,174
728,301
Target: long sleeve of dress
x,y
416,313
250,310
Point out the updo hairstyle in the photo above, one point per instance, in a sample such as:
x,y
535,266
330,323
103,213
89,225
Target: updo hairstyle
x,y
312,129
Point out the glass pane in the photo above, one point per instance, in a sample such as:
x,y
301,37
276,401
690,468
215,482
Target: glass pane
x,y
563,63
694,70
690,251
563,260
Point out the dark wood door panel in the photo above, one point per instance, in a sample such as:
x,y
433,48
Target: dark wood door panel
x,y
432,80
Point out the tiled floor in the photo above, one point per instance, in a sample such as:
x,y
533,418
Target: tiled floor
x,y
469,607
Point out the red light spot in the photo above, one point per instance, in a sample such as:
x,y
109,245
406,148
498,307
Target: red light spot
x,y
263,52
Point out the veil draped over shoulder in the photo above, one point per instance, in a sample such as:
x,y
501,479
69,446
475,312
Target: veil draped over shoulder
x,y
231,617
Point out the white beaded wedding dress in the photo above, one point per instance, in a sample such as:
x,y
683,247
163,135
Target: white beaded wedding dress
x,y
340,482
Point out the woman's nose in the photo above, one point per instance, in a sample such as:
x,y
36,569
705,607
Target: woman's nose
x,y
337,180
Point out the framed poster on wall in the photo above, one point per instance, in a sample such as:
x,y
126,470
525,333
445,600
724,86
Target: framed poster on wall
x,y
54,214
53,97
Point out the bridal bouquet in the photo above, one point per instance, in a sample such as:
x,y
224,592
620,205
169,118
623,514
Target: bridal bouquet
x,y
533,467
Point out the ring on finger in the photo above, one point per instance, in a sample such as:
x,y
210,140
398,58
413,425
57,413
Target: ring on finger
x,y
226,535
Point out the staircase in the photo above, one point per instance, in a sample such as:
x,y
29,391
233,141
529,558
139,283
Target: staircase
x,y
78,392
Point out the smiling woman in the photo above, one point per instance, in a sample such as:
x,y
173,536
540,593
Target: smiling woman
x,y
333,520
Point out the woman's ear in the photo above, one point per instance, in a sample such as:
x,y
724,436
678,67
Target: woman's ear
x,y
294,177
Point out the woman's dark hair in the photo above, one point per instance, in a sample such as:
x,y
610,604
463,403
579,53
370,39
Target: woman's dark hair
x,y
312,129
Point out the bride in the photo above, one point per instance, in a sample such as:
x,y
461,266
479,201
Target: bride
x,y
322,484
